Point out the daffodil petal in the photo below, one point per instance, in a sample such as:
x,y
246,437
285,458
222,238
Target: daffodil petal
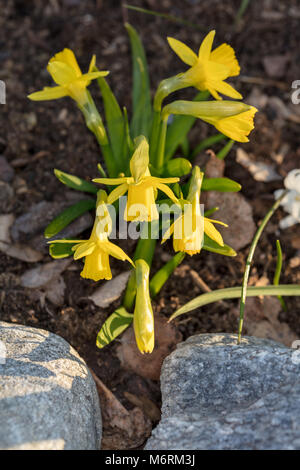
x,y
212,232
117,192
237,127
184,52
113,181
206,45
226,89
216,222
92,63
84,249
115,251
168,233
49,93
165,189
92,75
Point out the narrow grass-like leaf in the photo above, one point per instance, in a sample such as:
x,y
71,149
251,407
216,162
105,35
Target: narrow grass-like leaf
x,y
235,293
67,216
61,250
223,185
180,127
75,182
206,143
141,96
114,121
113,327
211,245
225,150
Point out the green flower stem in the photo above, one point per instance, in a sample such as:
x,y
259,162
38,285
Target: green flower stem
x,y
154,134
160,154
278,272
235,293
95,124
208,142
144,250
249,261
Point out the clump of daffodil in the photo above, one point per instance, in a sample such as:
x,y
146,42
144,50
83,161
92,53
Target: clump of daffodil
x,y
232,118
141,186
208,69
66,73
188,228
98,248
143,320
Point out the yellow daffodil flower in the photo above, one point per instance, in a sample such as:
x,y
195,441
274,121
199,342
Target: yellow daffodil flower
x,y
141,186
188,228
209,68
66,73
234,119
98,248
143,320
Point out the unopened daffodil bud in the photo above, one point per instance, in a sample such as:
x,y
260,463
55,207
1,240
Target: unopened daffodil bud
x,y
97,249
189,227
232,118
143,320
141,186
66,73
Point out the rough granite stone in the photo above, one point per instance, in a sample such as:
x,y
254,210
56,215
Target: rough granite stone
x,y
48,398
218,395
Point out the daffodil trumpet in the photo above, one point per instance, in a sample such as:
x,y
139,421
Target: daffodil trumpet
x,y
189,227
143,320
232,118
97,249
66,73
141,186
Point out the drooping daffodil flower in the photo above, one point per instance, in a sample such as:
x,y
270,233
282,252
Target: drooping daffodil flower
x,y
66,73
290,202
232,118
141,186
97,249
189,228
208,69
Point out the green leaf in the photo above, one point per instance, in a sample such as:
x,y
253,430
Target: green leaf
x,y
113,327
211,245
61,250
235,293
141,97
115,122
223,185
75,182
177,167
225,150
67,216
206,143
161,277
179,128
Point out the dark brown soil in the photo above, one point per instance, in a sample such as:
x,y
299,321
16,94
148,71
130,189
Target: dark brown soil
x,y
30,33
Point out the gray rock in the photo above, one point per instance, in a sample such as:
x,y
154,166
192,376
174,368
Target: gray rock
x,y
6,197
48,399
6,171
218,395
